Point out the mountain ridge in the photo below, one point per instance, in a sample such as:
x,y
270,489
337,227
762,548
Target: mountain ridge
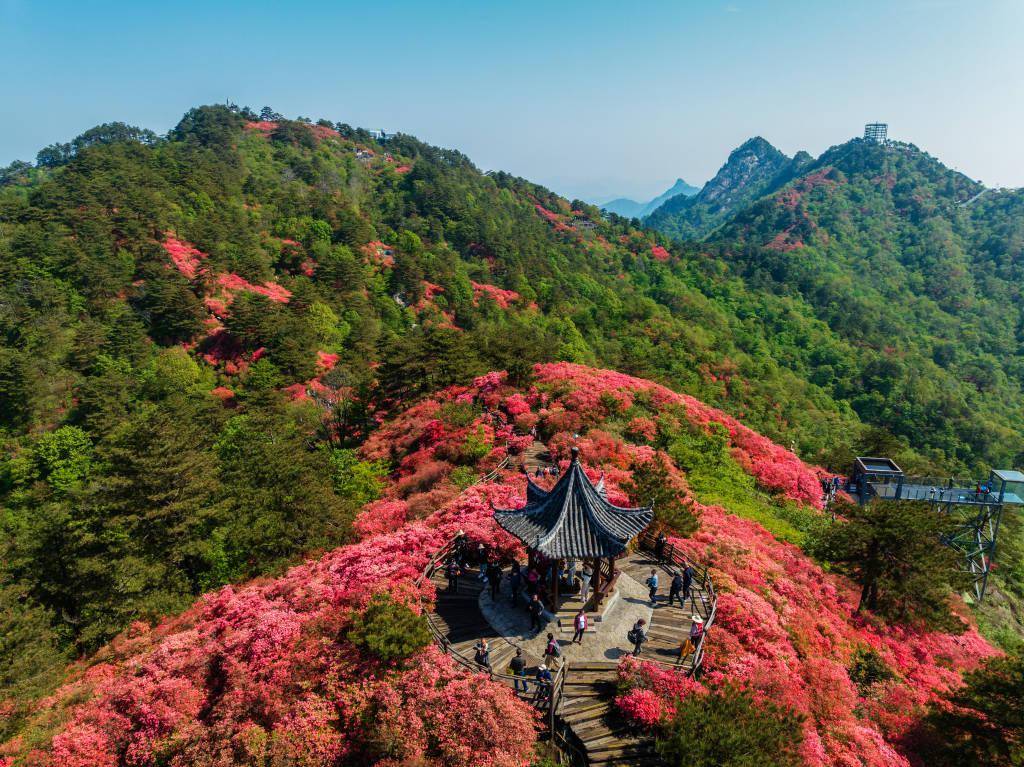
x,y
750,171
628,208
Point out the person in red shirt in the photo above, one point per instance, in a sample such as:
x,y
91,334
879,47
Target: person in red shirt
x,y
580,624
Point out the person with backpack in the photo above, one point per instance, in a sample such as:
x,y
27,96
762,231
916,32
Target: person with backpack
x,y
580,624
536,609
652,584
638,635
518,668
675,591
553,649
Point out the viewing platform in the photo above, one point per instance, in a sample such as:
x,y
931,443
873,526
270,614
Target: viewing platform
x,y
567,530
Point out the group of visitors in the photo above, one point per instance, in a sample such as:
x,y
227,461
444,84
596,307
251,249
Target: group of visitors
x,y
546,471
679,589
829,488
638,636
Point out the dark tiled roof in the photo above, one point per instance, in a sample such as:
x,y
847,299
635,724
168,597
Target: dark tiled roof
x,y
573,520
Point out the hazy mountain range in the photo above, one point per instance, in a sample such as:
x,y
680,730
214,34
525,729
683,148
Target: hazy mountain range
x,y
633,209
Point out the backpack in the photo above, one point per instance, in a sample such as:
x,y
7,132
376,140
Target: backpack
x,y
554,650
631,636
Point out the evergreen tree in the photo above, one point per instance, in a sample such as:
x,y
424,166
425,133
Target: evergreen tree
x,y
893,551
727,727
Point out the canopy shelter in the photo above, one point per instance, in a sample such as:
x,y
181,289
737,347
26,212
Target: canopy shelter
x,y
574,520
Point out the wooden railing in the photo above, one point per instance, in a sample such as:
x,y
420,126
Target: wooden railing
x,y
703,600
496,471
440,559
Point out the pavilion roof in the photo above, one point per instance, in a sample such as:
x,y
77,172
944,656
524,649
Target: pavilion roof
x,y
574,519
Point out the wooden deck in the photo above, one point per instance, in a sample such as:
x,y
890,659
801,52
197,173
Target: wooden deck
x,y
584,704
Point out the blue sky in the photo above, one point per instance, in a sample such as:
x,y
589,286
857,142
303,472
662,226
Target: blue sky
x,y
591,98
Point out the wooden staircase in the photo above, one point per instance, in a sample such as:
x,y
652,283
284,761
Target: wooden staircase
x,y
588,710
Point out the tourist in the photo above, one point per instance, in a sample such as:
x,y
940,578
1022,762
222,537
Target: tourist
x,y
494,576
532,577
638,635
515,582
585,578
453,576
652,584
482,653
518,668
659,547
580,624
536,474
675,591
544,681
553,649
571,573
696,630
687,580
536,609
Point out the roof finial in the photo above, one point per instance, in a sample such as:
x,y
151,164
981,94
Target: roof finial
x,y
575,454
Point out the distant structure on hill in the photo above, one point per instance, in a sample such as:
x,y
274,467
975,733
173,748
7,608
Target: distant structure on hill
x,y
877,132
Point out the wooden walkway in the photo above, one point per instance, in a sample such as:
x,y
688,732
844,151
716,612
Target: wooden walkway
x,y
584,713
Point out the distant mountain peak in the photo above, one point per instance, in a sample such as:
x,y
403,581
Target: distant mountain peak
x,y
633,209
752,169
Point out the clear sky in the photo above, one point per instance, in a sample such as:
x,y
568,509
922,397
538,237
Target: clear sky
x,y
593,99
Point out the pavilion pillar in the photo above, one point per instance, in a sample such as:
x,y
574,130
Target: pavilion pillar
x,y
557,565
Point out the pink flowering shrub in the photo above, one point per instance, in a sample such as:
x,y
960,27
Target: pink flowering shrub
x,y
644,707
503,298
659,253
262,673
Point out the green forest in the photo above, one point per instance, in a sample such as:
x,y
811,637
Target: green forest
x,y
156,445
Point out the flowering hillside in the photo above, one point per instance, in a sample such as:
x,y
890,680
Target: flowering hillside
x,y
263,673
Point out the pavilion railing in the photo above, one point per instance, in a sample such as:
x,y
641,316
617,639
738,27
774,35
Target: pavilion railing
x,y
546,698
706,605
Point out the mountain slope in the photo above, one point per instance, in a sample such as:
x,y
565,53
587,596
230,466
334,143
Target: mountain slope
x,y
627,208
878,242
178,316
272,670
752,170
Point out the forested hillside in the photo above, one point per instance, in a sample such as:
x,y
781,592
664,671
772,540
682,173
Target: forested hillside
x,y
199,331
753,169
916,277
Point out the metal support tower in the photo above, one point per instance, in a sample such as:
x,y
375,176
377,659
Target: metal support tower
x,y
975,536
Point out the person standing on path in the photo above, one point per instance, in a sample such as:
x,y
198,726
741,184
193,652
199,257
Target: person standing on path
x,y
535,608
553,650
579,623
515,582
482,653
518,668
494,576
687,581
585,577
652,584
452,572
638,635
659,547
676,589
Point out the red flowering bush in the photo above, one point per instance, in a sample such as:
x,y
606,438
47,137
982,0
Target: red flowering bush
x,y
263,672
644,707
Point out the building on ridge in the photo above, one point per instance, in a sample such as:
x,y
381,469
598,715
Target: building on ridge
x,y
877,132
